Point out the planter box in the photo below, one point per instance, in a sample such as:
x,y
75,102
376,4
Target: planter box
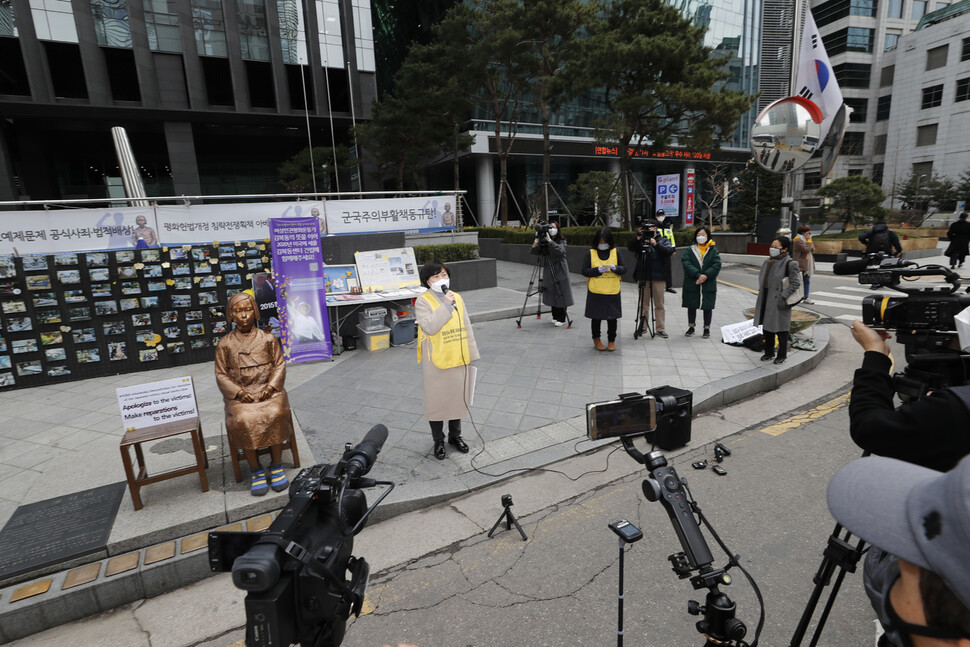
x,y
853,245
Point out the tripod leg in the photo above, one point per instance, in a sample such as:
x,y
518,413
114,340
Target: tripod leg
x,y
512,520
501,518
529,292
638,331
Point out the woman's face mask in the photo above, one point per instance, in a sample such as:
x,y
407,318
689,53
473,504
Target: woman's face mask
x,y
775,252
701,240
440,285
553,232
603,246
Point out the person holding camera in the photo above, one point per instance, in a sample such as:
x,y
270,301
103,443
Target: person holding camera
x,y
668,233
556,292
603,269
446,347
928,432
922,518
771,311
653,252
702,264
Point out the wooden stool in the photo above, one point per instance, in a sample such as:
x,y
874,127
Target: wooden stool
x,y
138,436
237,453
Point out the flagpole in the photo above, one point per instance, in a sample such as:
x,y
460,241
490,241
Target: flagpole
x,y
788,179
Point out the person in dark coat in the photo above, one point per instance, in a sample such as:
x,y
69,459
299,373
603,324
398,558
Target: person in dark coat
x,y
771,311
603,268
959,236
653,252
556,292
881,239
702,264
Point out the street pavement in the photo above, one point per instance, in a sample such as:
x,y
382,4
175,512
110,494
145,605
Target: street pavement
x,y
534,383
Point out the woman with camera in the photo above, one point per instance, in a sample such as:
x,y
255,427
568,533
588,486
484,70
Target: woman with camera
x,y
556,293
602,269
772,311
446,348
702,264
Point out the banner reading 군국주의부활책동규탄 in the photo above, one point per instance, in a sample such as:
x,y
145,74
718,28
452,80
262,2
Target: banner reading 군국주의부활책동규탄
x,y
300,292
410,215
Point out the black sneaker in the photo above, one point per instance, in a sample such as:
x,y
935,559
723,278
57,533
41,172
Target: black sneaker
x,y
690,332
707,333
662,334
767,357
672,291
780,360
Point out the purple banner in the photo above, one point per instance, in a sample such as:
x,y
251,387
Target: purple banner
x,y
298,271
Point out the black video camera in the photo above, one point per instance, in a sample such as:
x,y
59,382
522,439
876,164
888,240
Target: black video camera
x,y
542,228
922,317
295,573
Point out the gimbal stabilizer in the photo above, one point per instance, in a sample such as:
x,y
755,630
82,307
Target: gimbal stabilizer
x,y
719,624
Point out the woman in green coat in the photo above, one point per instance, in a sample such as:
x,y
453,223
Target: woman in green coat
x,y
702,263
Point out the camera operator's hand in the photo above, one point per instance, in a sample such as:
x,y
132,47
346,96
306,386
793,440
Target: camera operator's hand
x,y
653,241
535,243
869,338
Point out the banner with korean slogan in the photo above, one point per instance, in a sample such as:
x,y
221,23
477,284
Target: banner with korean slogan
x,y
300,295
815,79
202,223
73,230
410,215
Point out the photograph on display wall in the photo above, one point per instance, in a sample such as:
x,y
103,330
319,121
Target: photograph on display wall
x,y
19,324
149,302
43,281
97,274
176,253
218,327
116,327
217,312
207,298
97,259
117,351
227,251
50,338
9,307
228,266
142,319
84,336
157,286
45,299
55,354
130,287
150,256
142,336
49,316
198,344
35,263
172,332
126,272
7,379
103,308
170,316
195,330
65,259
26,369
181,300
233,279
58,371
193,315
207,282
176,347
101,290
201,253
181,269
203,268
5,361
7,267
182,283
3,344
23,346
152,271
147,355
125,256
88,356
9,288
79,314
129,304
74,296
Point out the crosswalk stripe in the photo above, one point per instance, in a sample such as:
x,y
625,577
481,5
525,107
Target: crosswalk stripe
x,y
835,295
848,317
859,288
818,302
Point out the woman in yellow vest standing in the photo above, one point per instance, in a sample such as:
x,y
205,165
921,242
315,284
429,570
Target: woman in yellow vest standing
x,y
602,269
446,347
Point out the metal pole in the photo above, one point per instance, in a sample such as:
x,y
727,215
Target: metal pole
x,y
333,137
309,138
619,607
353,118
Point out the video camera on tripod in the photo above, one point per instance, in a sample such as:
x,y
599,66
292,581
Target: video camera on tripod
x,y
923,319
651,416
295,573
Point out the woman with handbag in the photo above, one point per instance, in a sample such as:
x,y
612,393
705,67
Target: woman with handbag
x,y
779,282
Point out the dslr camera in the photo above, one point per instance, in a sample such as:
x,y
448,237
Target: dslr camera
x,y
301,580
922,318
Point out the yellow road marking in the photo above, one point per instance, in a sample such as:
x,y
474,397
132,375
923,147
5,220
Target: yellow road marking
x,y
809,416
740,287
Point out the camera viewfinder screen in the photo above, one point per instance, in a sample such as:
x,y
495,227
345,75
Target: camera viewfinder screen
x,y
620,418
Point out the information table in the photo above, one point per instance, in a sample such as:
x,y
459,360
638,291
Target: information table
x,y
343,306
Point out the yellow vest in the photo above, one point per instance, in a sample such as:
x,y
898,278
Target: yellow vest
x,y
608,282
449,346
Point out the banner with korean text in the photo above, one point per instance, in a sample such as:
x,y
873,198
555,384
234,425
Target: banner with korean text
x,y
228,222
73,230
300,293
410,215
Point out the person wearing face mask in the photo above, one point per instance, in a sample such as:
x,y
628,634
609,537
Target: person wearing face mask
x,y
602,269
556,292
666,231
446,347
702,263
771,310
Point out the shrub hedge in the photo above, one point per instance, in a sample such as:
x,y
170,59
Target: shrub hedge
x,y
448,253
574,235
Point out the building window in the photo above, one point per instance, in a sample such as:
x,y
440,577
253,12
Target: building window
x,y
853,143
882,107
14,77
853,75
850,39
963,89
923,168
879,144
932,97
965,51
890,43
111,23
855,171
919,9
210,28
253,38
67,73
8,20
877,172
926,135
886,76
895,9
162,22
813,181
860,109
863,8
936,57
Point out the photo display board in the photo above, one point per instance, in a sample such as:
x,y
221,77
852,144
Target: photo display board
x,y
387,270
78,315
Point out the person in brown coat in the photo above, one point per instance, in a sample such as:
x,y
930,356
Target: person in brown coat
x,y
446,347
250,371
803,252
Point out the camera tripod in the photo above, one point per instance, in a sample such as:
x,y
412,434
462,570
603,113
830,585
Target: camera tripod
x,y
508,518
542,267
645,284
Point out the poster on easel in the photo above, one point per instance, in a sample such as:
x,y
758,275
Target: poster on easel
x,y
387,270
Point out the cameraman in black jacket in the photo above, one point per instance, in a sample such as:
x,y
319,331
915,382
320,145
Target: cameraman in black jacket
x,y
652,252
933,431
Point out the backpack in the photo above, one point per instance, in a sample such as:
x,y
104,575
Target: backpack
x,y
879,242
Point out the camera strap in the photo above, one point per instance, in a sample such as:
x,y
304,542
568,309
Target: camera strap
x,y
302,555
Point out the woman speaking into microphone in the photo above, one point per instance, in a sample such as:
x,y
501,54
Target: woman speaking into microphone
x,y
446,347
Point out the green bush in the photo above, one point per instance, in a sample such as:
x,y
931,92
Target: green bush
x,y
574,235
449,253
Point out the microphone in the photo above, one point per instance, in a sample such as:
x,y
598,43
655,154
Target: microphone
x,y
362,456
445,289
850,267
